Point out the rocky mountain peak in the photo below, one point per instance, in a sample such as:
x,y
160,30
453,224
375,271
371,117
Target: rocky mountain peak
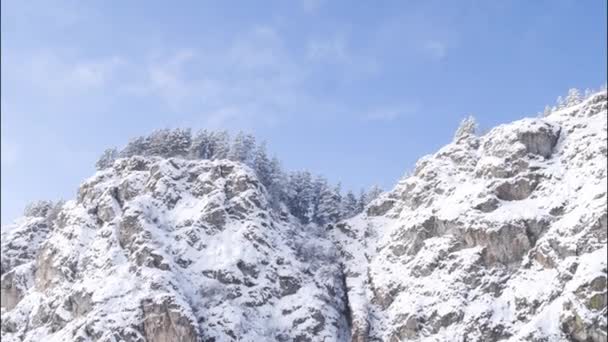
x,y
500,236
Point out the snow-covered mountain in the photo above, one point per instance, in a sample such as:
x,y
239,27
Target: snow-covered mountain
x,y
495,237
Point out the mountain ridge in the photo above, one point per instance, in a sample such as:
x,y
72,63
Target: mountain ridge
x,y
200,250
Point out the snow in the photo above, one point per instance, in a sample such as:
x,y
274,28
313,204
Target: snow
x,y
201,235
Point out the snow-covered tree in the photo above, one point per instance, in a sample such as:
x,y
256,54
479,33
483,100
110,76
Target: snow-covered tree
x,y
242,148
38,208
219,145
366,197
135,147
547,111
169,142
574,97
468,127
262,165
106,159
278,181
561,104
373,193
328,206
350,205
300,195
199,148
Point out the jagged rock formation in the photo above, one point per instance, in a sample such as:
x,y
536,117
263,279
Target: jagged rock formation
x,y
499,237
170,250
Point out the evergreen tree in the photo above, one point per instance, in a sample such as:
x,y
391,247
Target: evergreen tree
x,y
350,205
373,193
468,127
169,142
547,111
277,180
573,98
107,159
135,147
329,206
299,195
319,186
561,104
199,148
262,165
242,148
219,145
362,200
38,208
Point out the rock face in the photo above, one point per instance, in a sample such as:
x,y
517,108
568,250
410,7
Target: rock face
x,y
498,237
494,238
166,250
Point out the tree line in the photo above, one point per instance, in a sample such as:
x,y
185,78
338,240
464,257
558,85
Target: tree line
x,y
310,198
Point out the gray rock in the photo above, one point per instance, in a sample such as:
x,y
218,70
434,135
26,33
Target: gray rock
x,y
164,321
516,190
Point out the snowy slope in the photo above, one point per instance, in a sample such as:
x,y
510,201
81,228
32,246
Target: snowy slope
x,y
171,250
498,237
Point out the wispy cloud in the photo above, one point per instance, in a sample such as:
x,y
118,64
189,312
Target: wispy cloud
x,y
58,75
336,51
163,78
252,78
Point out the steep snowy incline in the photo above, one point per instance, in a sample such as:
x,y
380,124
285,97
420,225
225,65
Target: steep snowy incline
x,y
499,237
170,250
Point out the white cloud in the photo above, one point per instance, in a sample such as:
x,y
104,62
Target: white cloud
x,y
336,51
251,79
163,78
94,73
59,76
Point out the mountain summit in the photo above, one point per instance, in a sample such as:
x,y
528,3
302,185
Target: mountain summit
x,y
499,237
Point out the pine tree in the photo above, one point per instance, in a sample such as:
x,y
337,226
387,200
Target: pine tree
x,y
169,142
319,186
573,98
300,195
277,180
329,205
107,159
468,127
362,200
262,165
561,104
199,148
135,147
38,209
350,205
547,111
372,194
242,148
219,145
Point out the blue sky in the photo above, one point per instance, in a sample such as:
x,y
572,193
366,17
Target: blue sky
x,y
354,90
